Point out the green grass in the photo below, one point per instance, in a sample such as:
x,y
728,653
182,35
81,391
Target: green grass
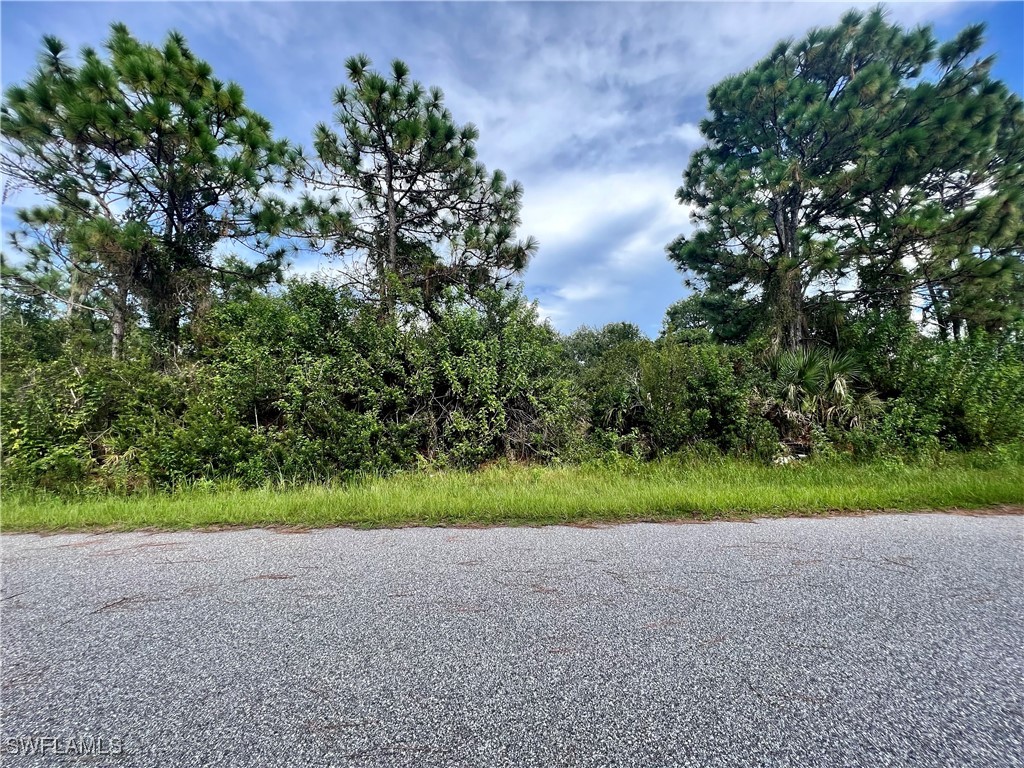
x,y
545,495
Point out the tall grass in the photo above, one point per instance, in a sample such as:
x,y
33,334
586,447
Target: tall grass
x,y
515,495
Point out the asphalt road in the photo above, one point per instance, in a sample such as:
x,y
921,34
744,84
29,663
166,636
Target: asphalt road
x,y
873,641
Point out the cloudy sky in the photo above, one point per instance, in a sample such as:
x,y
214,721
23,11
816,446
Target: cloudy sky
x,y
593,107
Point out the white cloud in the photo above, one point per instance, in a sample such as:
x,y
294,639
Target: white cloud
x,y
687,133
603,241
585,291
560,209
553,315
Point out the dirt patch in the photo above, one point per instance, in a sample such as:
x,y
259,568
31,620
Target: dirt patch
x,y
692,518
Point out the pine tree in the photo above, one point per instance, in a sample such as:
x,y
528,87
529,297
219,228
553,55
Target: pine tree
x,y
146,162
833,163
947,225
399,195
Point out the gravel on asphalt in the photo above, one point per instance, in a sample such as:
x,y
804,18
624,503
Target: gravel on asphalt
x,y
889,640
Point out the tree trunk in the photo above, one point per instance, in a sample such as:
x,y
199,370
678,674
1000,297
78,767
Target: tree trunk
x,y
789,293
117,323
940,316
116,335
164,315
387,297
168,334
791,310
74,294
787,306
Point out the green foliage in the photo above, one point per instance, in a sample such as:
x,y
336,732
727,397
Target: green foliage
x,y
320,382
87,420
721,316
963,394
811,390
496,385
307,385
146,162
695,394
585,346
852,153
402,200
939,393
662,397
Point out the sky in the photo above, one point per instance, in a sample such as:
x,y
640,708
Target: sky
x,y
594,107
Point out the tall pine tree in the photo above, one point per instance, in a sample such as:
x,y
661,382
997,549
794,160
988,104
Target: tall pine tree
x,y
849,162
146,162
398,194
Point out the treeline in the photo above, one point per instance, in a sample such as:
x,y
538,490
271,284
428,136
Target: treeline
x,y
308,384
857,276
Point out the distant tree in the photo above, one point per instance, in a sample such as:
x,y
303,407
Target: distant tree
x,y
398,193
836,157
724,316
146,162
585,346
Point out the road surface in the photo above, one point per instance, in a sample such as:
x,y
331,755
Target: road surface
x,y
852,641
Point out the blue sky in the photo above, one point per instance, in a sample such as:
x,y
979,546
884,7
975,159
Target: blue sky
x,y
592,106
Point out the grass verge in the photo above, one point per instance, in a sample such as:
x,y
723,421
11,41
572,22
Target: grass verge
x,y
544,495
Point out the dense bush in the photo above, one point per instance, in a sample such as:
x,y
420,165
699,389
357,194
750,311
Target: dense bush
x,y
83,417
660,397
953,394
310,384
492,386
306,385
962,394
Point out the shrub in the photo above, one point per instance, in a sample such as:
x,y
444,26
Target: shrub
x,y
306,385
661,397
68,421
960,394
